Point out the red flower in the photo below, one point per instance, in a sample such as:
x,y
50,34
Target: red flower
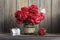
x,y
19,22
33,7
29,15
42,16
34,11
37,20
17,13
24,15
24,9
42,31
21,15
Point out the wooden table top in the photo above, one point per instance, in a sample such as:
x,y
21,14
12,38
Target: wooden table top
x,y
8,36
47,35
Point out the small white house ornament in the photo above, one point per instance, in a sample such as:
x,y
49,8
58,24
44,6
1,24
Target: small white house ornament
x,y
15,31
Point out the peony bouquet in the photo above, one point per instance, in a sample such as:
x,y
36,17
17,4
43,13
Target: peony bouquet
x,y
29,15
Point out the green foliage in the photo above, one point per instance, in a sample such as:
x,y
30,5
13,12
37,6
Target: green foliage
x,y
28,25
36,33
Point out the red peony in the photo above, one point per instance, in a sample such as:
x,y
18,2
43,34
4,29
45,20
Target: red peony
x,y
42,31
29,15
24,9
33,7
17,13
42,16
19,22
20,16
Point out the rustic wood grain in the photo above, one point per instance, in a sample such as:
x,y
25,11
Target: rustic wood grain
x,y
8,35
36,2
12,5
48,17
8,8
56,16
1,15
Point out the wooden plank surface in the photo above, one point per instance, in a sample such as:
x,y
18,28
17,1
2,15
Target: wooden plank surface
x,y
12,11
55,16
48,17
1,15
8,7
36,2
7,35
12,5
21,3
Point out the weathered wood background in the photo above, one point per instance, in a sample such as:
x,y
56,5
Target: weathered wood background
x,y
8,8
